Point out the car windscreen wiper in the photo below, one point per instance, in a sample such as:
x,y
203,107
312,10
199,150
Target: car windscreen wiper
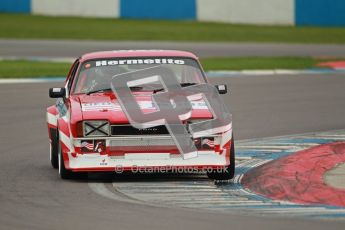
x,y
97,90
107,89
187,84
182,84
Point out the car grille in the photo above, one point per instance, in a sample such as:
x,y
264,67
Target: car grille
x,y
117,130
144,142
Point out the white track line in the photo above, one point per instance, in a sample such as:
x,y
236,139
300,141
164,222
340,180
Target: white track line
x,y
29,80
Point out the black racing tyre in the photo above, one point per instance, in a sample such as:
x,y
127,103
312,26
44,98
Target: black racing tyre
x,y
54,148
229,171
65,173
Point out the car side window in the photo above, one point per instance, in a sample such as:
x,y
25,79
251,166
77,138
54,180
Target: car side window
x,y
71,75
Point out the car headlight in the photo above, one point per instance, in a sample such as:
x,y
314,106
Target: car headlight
x,y
96,128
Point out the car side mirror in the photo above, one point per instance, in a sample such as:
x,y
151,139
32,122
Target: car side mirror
x,y
222,89
57,92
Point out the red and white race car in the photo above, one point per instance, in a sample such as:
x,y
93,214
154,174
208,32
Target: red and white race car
x,y
90,132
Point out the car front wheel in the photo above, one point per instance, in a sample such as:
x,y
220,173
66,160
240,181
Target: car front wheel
x,y
227,173
65,173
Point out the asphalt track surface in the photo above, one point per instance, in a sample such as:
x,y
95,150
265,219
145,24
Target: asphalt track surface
x,y
70,48
33,197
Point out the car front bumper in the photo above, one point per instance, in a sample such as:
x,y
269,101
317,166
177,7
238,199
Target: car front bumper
x,y
130,153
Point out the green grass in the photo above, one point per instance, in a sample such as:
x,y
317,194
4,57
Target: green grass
x,y
28,26
24,69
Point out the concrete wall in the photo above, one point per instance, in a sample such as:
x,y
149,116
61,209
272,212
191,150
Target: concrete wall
x,y
247,11
158,9
262,12
320,12
85,8
15,6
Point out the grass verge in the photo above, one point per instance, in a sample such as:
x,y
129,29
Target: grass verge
x,y
42,27
27,69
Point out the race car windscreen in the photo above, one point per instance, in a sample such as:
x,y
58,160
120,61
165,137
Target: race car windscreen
x,y
96,75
